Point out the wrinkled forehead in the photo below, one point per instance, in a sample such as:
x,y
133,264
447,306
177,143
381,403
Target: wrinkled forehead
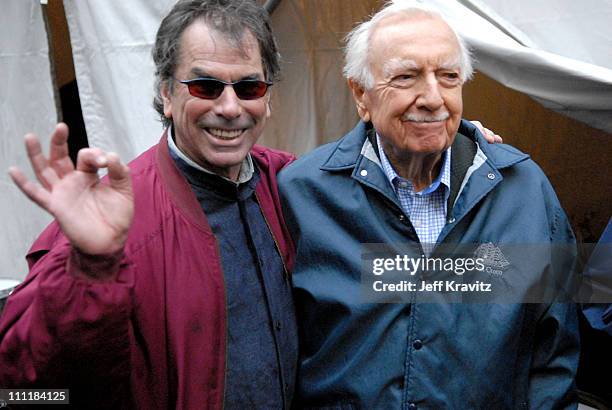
x,y
399,41
407,22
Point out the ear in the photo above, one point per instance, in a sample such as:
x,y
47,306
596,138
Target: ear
x,y
268,106
166,95
360,99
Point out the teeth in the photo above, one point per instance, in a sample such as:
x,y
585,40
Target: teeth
x,y
224,134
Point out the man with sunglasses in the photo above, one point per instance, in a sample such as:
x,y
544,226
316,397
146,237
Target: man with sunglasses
x,y
168,285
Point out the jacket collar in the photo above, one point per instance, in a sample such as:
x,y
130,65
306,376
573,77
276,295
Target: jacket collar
x,y
346,153
178,188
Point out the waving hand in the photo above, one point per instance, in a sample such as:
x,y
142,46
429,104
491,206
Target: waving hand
x,y
95,216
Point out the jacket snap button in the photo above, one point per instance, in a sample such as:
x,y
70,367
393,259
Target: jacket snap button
x,y
402,218
412,406
451,220
491,175
364,173
417,344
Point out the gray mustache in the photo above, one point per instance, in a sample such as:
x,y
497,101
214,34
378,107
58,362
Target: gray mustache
x,y
426,117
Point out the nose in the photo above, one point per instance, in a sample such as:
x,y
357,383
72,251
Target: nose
x,y
430,97
227,105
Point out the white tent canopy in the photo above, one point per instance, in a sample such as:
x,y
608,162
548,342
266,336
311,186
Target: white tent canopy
x,y
544,51
26,105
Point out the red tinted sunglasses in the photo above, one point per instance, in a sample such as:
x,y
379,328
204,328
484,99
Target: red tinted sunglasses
x,y
212,88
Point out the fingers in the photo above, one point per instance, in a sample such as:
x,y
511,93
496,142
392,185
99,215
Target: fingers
x,y
90,160
479,125
492,137
59,157
37,158
33,191
49,171
118,173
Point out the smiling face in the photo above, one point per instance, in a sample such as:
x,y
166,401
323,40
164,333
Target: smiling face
x,y
415,103
217,134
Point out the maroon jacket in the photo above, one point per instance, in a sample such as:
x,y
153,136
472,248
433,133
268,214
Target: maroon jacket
x,y
150,334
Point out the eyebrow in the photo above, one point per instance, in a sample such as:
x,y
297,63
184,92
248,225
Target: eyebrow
x,y
451,64
398,64
395,65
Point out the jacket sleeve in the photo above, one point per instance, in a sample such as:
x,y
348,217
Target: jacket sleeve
x,y
557,344
63,328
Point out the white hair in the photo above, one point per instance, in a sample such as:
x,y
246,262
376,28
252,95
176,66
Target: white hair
x,y
357,48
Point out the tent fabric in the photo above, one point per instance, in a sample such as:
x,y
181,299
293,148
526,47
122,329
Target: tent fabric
x,y
26,105
111,45
579,30
561,82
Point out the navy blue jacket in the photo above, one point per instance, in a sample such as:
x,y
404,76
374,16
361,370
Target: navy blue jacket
x,y
423,355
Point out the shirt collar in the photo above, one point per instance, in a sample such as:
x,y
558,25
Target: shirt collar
x,y
246,169
396,180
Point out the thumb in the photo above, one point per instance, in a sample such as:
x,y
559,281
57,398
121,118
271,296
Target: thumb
x,y
118,173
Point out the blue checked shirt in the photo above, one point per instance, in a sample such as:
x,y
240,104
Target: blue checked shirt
x,y
426,209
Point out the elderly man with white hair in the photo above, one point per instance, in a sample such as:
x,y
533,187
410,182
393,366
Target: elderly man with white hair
x,y
413,172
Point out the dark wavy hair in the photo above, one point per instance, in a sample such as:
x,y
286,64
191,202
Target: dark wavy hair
x,y
229,17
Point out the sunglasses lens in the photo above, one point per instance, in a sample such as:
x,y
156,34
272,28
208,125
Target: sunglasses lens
x,y
250,89
205,88
210,89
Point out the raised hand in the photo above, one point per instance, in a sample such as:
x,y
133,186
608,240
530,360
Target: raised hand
x,y
94,216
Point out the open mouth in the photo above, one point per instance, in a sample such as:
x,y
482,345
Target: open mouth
x,y
225,134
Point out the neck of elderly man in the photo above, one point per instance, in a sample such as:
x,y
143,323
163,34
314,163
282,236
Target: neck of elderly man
x,y
420,169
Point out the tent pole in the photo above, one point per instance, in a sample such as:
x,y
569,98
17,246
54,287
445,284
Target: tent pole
x,y
271,5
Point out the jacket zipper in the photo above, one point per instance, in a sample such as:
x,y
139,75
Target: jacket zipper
x,y
280,253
